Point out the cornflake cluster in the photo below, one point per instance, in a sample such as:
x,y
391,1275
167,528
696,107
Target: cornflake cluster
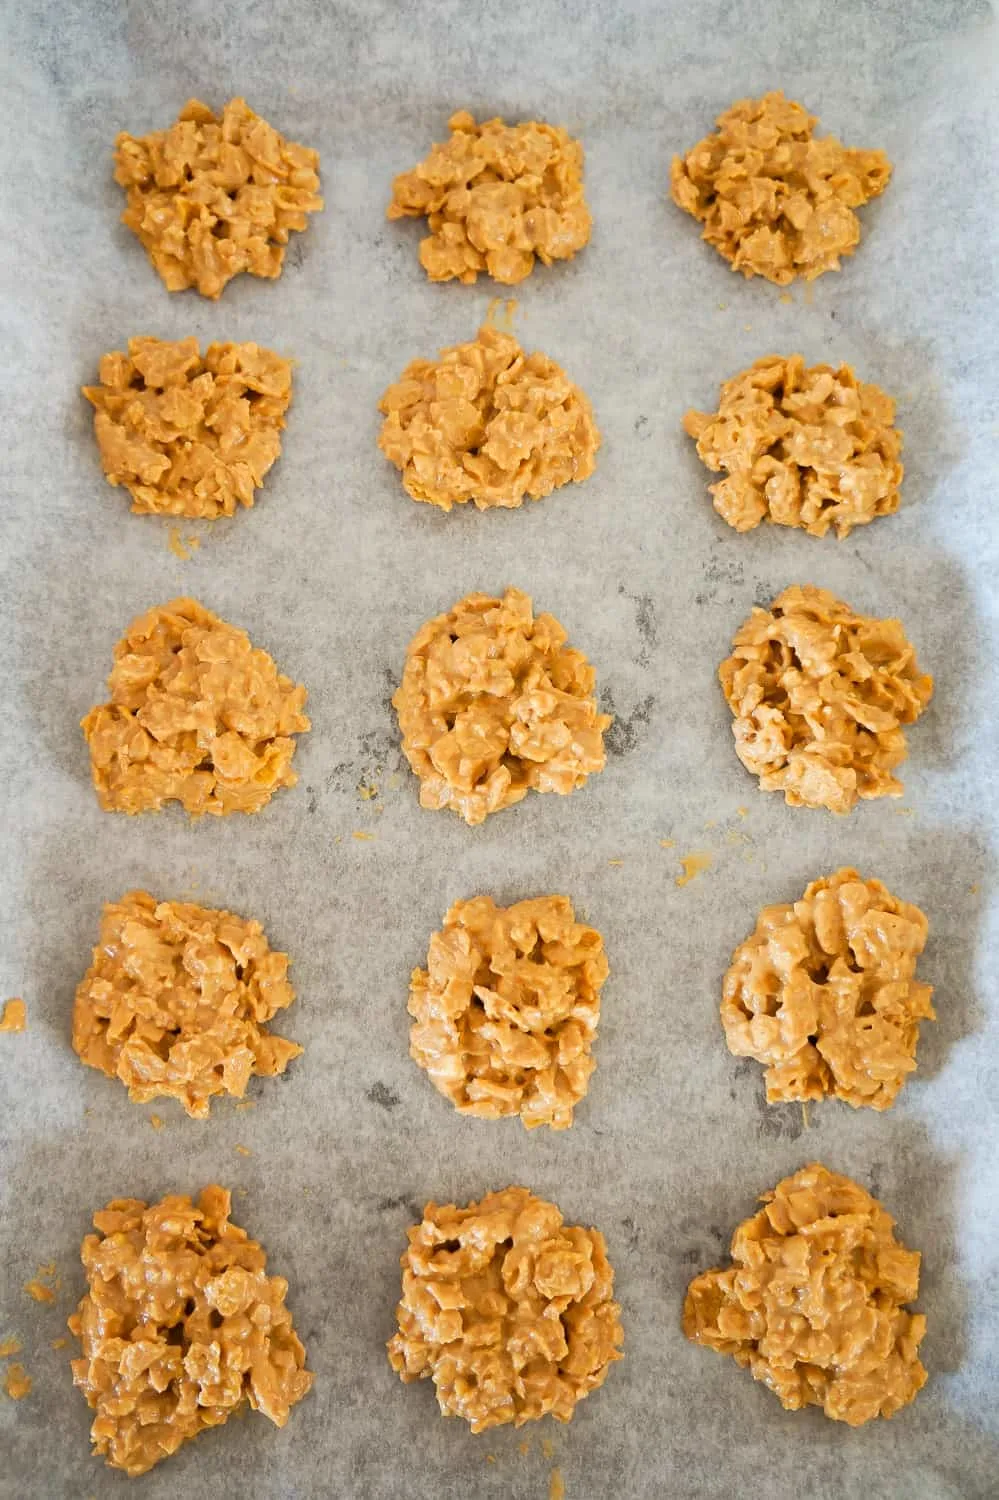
x,y
176,1000
824,993
773,199
507,1009
488,423
819,695
496,197
814,1303
180,1326
801,447
189,436
212,197
493,703
197,715
509,1311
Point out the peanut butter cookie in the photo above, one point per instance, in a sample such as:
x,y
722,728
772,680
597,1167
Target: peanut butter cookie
x,y
800,447
186,435
214,196
493,703
819,695
507,1310
176,1000
197,715
179,1329
775,200
824,993
496,197
488,423
506,1011
814,1302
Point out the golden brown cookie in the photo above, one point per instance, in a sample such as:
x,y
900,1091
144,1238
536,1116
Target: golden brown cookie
x,y
814,1302
506,1309
506,1011
810,447
819,695
493,704
496,197
824,993
213,196
176,1000
197,715
186,435
775,200
180,1327
488,423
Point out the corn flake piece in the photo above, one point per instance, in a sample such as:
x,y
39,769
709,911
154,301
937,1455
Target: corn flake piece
x,y
496,197
493,704
488,423
808,447
175,1002
186,435
211,197
774,200
197,715
179,1328
819,695
509,1311
814,1302
506,1012
824,993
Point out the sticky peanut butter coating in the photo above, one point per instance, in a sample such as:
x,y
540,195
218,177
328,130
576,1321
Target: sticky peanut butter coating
x,y
775,199
814,1303
508,1310
179,1328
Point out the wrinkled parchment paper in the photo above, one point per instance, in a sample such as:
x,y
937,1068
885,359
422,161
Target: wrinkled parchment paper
x,y
335,569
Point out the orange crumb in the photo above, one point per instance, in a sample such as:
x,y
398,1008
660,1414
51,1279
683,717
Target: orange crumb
x,y
741,811
786,297
524,1448
183,546
244,1151
59,1343
360,834
156,1122
39,1291
18,1382
548,1448
666,843
693,865
556,1486
615,861
15,1016
10,1346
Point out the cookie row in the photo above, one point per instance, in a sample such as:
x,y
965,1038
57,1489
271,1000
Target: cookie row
x,y
509,1311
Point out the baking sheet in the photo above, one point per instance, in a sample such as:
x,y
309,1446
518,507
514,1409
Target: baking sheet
x,y
335,569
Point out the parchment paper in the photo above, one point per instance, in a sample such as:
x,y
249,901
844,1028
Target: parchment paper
x,y
335,569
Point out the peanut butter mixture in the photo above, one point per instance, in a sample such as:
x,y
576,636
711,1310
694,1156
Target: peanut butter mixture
x,y
506,1011
186,435
212,197
493,703
180,1326
506,1309
176,999
800,447
819,695
824,993
814,1302
488,423
496,197
773,199
197,715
